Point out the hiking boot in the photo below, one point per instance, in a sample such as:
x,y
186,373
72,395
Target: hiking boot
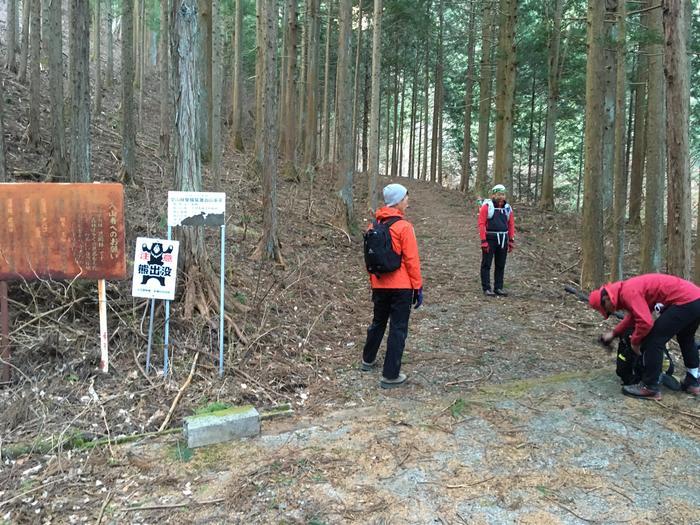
x,y
392,383
642,391
500,292
489,293
690,384
367,367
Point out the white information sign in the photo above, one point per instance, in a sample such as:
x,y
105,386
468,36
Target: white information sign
x,y
196,208
155,268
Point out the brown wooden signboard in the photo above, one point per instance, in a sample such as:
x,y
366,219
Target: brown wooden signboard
x,y
61,231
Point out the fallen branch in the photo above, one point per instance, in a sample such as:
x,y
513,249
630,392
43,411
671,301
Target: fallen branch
x,y
104,506
174,505
179,394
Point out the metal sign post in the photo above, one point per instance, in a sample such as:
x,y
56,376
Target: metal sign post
x,y
155,277
198,208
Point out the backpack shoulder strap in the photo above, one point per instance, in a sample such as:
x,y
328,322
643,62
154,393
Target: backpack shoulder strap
x,y
391,221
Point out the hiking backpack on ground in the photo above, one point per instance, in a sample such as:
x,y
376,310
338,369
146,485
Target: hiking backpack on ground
x,y
629,365
380,256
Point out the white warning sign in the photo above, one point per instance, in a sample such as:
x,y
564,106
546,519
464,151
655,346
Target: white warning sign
x,y
155,268
196,208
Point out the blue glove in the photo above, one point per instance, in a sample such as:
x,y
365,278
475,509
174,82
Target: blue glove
x,y
418,297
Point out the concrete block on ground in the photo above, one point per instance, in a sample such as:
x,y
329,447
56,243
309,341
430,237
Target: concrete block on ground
x,y
222,425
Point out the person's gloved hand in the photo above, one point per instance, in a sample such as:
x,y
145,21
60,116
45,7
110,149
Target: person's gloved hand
x,y
511,245
485,246
418,297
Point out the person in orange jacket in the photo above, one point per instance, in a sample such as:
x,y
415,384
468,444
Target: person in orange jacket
x,y
497,232
393,293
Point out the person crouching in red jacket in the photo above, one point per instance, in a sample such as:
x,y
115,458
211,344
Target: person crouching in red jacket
x,y
393,293
680,317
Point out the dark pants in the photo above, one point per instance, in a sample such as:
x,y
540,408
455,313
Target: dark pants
x,y
681,321
499,254
394,305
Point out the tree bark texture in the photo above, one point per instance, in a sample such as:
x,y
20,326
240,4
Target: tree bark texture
x,y
217,73
482,163
344,115
437,101
639,144
164,80
109,73
505,86
127,77
3,158
678,163
547,198
12,35
204,23
34,129
80,98
592,228
375,108
97,53
652,236
468,103
327,88
311,114
609,113
356,84
620,173
24,46
269,245
289,134
237,111
54,52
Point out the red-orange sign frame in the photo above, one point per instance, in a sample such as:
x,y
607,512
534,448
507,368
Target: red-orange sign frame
x,y
62,231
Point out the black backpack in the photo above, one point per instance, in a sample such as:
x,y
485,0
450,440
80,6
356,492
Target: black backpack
x,y
380,257
629,365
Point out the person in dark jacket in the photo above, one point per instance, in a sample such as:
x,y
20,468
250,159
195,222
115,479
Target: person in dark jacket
x,y
679,317
497,232
393,293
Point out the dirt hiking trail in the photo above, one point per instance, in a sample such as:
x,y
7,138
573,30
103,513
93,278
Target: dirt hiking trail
x,y
511,413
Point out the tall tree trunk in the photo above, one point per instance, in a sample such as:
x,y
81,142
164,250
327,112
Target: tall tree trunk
x,y
344,117
365,118
54,51
165,124
80,82
311,116
592,228
482,162
530,148
505,85
326,127
34,129
12,35
387,141
437,102
3,158
697,240
609,113
269,245
538,153
127,73
356,88
24,47
426,96
639,144
468,106
620,198
301,139
237,111
109,73
678,163
289,134
395,127
205,94
373,167
656,143
401,127
97,53
547,200
217,72
412,133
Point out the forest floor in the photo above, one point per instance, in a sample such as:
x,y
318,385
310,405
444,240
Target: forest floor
x,y
511,413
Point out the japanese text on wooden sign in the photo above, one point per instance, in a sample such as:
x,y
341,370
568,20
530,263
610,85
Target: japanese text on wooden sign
x,y
62,231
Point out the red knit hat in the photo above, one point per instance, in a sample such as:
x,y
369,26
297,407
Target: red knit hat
x,y
595,301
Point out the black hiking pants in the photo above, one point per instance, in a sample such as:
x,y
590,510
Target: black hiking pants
x,y
392,306
676,320
498,254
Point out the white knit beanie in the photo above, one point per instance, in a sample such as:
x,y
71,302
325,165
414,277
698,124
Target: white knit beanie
x,y
393,194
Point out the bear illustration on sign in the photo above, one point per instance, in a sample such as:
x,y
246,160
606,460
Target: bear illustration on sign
x,y
155,262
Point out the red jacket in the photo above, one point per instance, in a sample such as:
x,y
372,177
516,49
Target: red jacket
x,y
483,221
638,295
403,241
